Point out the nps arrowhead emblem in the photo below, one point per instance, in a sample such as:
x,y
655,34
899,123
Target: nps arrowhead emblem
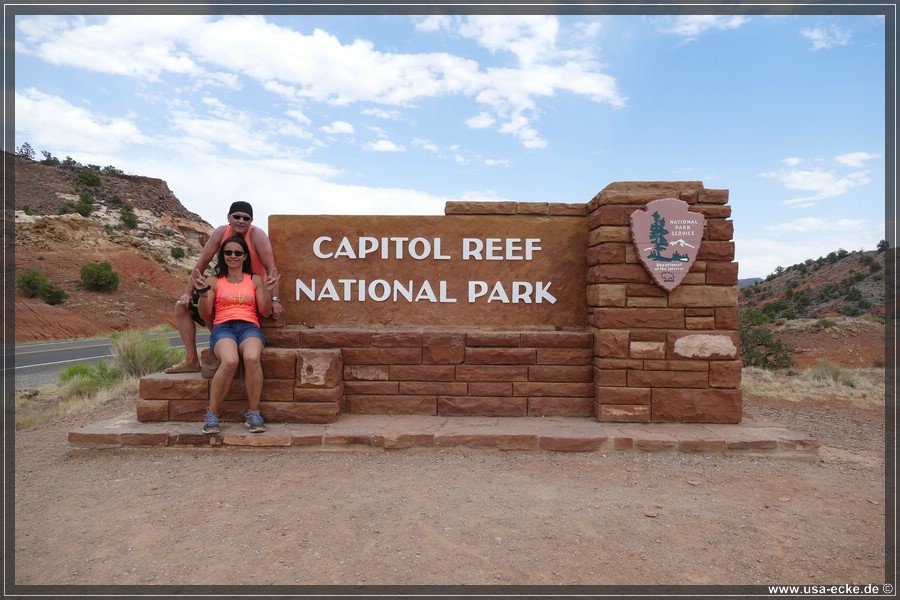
x,y
667,238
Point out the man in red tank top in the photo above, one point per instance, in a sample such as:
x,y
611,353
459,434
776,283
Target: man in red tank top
x,y
262,262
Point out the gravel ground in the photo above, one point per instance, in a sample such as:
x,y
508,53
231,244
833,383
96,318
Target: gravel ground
x,y
431,516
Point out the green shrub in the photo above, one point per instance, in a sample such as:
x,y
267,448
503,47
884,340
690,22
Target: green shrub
x,y
54,295
26,209
32,282
84,209
758,346
138,353
99,277
63,209
89,177
128,217
177,252
115,200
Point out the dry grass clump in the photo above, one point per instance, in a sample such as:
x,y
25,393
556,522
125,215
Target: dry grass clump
x,y
43,405
859,387
836,323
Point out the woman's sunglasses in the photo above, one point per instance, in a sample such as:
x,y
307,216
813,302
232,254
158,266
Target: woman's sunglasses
x,y
241,218
238,253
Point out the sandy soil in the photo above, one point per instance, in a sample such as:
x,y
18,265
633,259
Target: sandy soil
x,y
432,516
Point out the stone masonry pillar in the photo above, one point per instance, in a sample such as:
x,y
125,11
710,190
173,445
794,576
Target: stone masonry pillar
x,y
663,356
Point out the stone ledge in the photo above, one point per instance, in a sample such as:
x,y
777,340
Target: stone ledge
x,y
556,434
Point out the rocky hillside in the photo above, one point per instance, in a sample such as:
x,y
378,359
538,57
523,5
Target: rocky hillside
x,y
68,216
841,283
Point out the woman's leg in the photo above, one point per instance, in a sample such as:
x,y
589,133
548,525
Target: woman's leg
x,y
251,351
226,350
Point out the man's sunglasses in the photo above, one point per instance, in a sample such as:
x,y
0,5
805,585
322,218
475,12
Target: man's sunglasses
x,y
241,218
238,253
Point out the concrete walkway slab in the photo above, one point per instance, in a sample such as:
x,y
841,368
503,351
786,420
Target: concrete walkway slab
x,y
557,434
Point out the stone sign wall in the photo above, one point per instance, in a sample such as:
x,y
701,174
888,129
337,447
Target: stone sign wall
x,y
487,271
495,309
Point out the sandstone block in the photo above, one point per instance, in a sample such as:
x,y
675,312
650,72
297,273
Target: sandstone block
x,y
711,346
479,208
433,388
538,388
509,340
719,229
622,396
623,414
697,405
282,337
489,388
567,209
279,363
728,318
366,373
532,208
392,405
559,373
318,394
611,377
491,373
371,387
544,406
638,318
725,374
152,410
500,356
557,339
499,406
397,339
711,250
699,322
422,372
647,350
606,295
606,253
611,344
628,273
382,356
713,196
443,348
565,356
302,412
722,273
668,379
647,302
706,296
336,338
161,386
319,367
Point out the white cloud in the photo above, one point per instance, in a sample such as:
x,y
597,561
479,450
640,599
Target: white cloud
x,y
225,51
817,224
691,26
532,38
826,38
338,127
47,121
758,257
482,121
382,114
496,163
810,176
426,145
856,160
384,146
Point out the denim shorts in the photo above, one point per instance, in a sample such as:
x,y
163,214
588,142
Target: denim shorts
x,y
235,330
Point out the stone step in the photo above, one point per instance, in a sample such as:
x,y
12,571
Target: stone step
x,y
504,433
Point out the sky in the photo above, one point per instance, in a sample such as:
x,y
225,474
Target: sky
x,y
398,114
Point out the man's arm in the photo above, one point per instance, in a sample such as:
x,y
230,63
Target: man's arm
x,y
264,249
206,255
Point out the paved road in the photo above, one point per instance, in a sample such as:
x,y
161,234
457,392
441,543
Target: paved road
x,y
40,363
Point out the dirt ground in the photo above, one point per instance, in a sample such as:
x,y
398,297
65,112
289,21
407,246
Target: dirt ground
x,y
432,516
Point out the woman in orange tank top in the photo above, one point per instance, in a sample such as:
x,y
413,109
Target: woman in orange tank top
x,y
231,301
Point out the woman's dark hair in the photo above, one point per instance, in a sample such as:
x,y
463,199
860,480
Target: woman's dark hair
x,y
221,268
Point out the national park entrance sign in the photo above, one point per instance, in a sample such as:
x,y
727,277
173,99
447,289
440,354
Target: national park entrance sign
x,y
622,309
